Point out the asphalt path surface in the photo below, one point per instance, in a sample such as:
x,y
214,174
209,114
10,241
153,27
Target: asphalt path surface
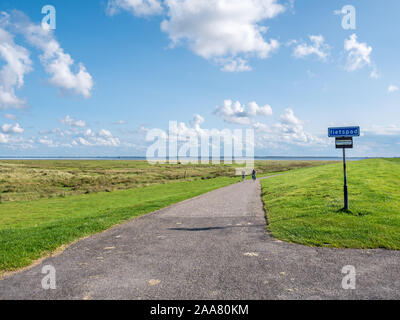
x,y
215,246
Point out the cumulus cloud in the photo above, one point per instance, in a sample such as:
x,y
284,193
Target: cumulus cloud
x,y
235,112
102,138
183,130
392,88
291,127
57,63
12,128
374,73
290,130
48,142
288,118
226,31
358,54
78,135
105,133
234,65
12,141
136,7
69,121
190,136
3,138
81,141
17,65
317,47
197,121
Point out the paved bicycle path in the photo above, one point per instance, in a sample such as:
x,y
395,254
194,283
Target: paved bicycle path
x,y
211,247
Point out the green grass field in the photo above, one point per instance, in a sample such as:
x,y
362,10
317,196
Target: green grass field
x,y
32,229
394,160
304,207
25,180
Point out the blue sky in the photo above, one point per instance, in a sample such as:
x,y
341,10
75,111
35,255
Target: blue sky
x,y
286,68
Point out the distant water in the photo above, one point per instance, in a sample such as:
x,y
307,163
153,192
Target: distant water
x,y
277,158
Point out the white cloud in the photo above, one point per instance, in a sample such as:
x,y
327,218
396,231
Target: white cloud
x,y
234,65
136,7
69,121
359,54
317,47
52,131
189,133
15,142
17,65
12,128
289,130
197,121
235,112
288,118
105,133
89,133
392,88
57,63
4,138
102,138
390,130
374,73
78,135
108,142
80,123
229,32
82,141
48,142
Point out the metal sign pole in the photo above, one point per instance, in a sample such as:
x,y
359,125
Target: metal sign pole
x,y
346,194
344,140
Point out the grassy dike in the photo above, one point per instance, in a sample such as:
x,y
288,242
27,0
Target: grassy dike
x,y
304,207
30,230
29,180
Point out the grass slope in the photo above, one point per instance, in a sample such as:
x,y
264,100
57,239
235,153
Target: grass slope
x,y
305,206
30,230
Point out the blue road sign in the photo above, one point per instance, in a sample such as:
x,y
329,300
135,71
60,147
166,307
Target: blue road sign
x,y
344,132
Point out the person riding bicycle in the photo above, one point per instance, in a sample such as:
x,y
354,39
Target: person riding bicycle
x,y
254,175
